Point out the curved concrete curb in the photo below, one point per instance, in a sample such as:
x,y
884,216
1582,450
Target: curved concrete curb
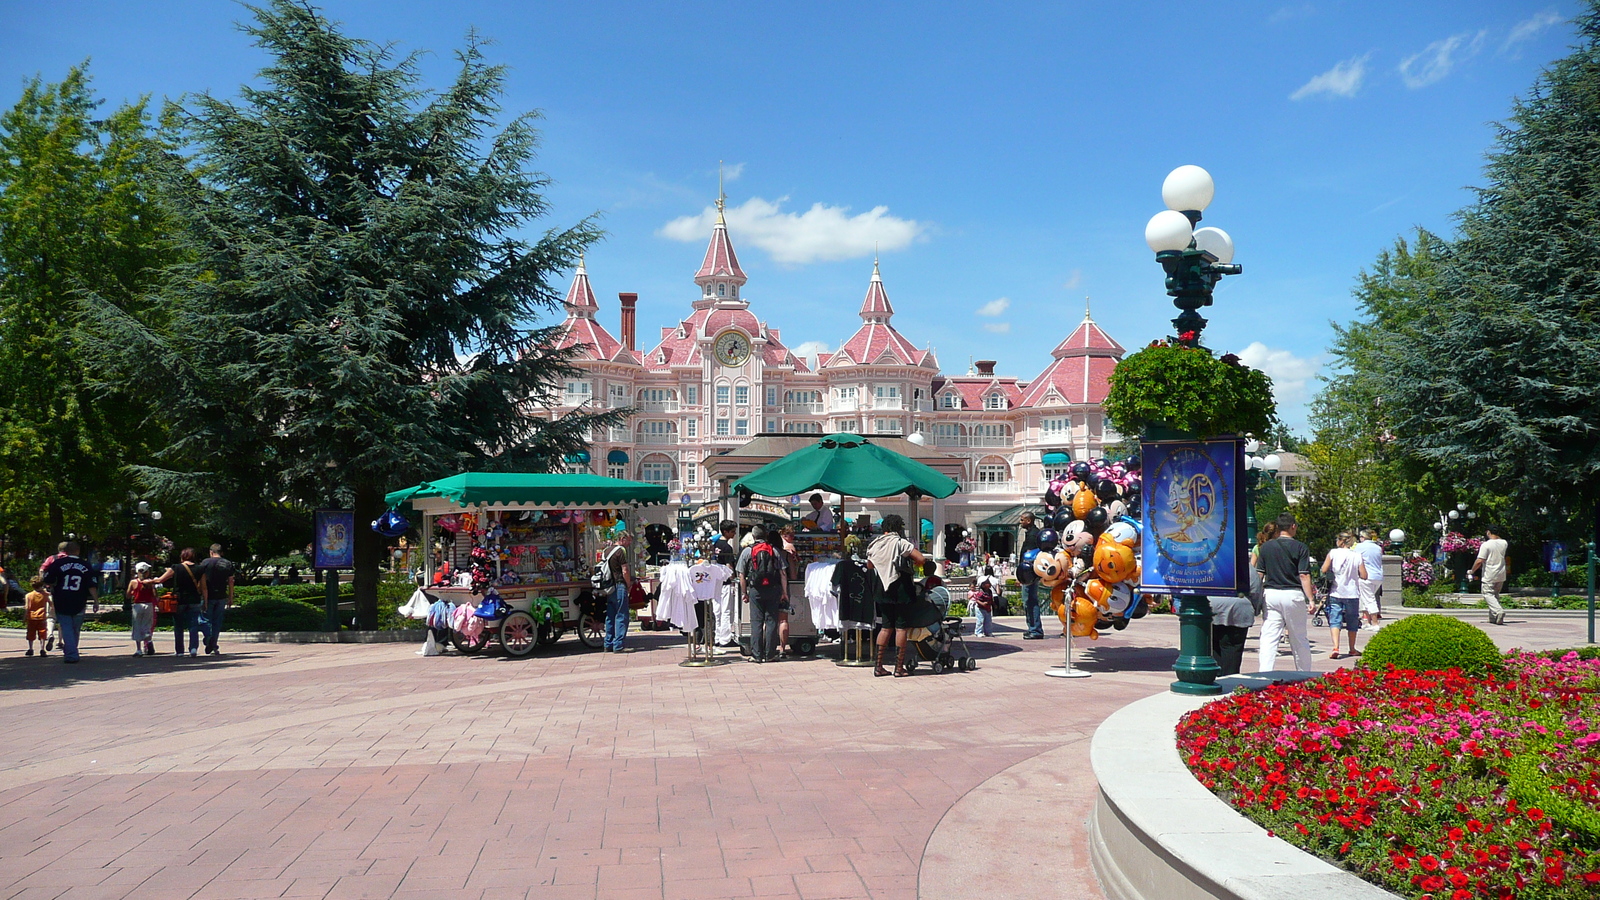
x,y
1157,834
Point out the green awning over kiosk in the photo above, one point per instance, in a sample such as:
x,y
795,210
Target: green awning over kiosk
x,y
1007,519
533,489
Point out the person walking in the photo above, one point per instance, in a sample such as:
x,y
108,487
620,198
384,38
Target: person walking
x,y
219,575
186,583
1371,587
142,602
1491,562
1344,599
72,585
620,574
763,578
897,589
35,612
1029,540
1285,567
725,552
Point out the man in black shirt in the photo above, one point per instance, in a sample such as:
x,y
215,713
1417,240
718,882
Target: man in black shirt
x,y
1028,580
72,585
1285,566
218,574
725,551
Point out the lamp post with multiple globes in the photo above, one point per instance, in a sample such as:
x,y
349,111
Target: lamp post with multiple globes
x,y
1195,259
1254,468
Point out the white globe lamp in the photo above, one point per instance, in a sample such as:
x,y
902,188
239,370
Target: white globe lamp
x,y
1216,242
1188,188
1168,230
917,438
1454,514
1397,536
1272,462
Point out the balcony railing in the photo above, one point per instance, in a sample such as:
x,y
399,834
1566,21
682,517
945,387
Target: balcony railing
x,y
619,435
803,409
982,441
888,403
844,404
658,406
575,399
922,406
657,437
989,487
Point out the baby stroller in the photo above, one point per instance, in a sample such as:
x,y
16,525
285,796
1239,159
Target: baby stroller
x,y
944,649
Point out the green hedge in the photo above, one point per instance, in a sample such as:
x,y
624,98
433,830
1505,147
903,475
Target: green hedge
x,y
1430,642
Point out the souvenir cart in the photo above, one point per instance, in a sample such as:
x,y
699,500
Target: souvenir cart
x,y
520,548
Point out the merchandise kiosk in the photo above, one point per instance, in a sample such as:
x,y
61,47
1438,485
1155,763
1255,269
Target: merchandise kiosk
x,y
533,538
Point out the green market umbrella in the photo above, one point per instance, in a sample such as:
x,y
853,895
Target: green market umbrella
x,y
848,465
543,489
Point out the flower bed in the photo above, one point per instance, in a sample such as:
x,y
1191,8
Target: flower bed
x,y
1434,785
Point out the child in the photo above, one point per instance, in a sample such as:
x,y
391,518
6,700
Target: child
x,y
981,605
143,599
36,610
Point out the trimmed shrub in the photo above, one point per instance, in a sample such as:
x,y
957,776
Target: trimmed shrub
x,y
273,614
1432,643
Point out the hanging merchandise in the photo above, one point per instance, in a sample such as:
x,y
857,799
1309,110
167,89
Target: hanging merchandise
x,y
391,524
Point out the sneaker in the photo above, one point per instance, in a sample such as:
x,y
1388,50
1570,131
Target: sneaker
x,y
50,643
138,651
149,649
30,652
193,654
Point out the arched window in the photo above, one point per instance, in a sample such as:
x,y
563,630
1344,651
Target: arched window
x,y
722,290
950,400
993,470
656,469
995,400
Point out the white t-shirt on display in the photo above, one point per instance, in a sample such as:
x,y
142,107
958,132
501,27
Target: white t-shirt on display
x,y
708,578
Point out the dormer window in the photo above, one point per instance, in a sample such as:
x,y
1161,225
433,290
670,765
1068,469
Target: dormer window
x,y
949,401
996,401
722,289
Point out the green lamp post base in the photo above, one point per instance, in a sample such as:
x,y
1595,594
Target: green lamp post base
x,y
1197,670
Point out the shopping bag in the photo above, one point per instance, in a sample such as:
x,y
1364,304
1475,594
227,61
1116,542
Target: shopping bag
x,y
430,647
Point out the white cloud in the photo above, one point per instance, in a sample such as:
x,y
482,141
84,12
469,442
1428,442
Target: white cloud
x,y
1528,29
1291,375
1074,280
820,234
1343,80
810,350
1439,59
997,327
732,172
1291,12
995,307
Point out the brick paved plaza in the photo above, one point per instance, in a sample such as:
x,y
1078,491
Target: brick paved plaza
x,y
346,771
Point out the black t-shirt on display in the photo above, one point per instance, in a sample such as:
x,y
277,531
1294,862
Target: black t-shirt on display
x,y
724,552
216,571
69,579
1282,561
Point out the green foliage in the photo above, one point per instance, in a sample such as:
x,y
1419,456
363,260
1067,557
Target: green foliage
x,y
1431,642
77,218
275,614
361,286
1190,390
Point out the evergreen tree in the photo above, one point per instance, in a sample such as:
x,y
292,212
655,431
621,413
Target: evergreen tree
x,y
355,315
77,217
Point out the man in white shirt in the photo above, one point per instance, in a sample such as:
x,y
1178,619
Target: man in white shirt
x,y
821,514
1372,586
1492,560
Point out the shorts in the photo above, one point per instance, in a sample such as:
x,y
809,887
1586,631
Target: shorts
x,y
36,630
1342,615
1371,590
894,615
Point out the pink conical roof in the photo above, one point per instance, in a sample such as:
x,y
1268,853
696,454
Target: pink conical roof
x,y
1087,340
720,261
876,307
580,297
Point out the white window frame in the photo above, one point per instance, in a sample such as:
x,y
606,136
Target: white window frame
x,y
992,473
772,395
691,427
723,393
888,425
722,427
741,395
617,470
1055,427
772,426
950,400
741,427
691,394
995,400
656,466
691,474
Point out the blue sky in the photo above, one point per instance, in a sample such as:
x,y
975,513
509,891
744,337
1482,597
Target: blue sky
x,y
1004,156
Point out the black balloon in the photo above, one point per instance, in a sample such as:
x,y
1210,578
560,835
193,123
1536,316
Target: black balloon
x,y
1096,521
1048,539
1052,499
1082,471
1061,519
1107,490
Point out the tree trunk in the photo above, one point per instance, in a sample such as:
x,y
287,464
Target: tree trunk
x,y
369,556
58,524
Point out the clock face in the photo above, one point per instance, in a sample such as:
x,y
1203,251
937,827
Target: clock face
x,y
732,348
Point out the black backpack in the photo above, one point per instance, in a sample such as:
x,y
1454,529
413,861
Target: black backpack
x,y
766,566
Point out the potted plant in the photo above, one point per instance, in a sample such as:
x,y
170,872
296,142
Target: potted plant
x,y
1179,386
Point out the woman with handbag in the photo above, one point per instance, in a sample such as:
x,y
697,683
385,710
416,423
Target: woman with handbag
x,y
894,560
191,591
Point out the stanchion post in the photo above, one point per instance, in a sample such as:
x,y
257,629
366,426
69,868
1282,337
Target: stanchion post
x,y
331,596
1197,670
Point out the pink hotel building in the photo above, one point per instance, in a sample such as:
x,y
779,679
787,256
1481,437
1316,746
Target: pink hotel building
x,y
721,376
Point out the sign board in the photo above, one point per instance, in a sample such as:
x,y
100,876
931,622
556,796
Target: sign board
x,y
333,542
1193,510
1555,556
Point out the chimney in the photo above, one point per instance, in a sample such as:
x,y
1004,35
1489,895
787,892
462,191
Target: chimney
x,y
627,301
986,367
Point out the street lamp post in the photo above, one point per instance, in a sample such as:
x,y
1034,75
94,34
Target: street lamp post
x,y
1254,468
1194,260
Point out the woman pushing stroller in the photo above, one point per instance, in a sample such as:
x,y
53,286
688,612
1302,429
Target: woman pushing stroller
x,y
894,560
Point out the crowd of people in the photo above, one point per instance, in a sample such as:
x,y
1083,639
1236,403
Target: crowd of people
x,y
59,597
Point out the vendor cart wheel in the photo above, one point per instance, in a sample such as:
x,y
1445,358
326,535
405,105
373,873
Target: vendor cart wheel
x,y
549,634
470,648
968,664
938,667
518,634
804,646
592,632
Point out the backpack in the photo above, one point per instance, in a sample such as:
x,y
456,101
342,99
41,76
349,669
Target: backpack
x,y
603,578
766,566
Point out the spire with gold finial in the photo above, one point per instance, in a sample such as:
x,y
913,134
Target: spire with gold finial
x,y
720,276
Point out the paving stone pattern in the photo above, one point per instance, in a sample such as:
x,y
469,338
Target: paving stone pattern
x,y
352,770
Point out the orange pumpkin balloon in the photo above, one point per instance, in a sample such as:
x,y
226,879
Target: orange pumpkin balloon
x,y
1114,562
1084,617
1058,602
1082,502
1099,592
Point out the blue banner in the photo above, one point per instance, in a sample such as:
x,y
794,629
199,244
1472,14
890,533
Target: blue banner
x,y
1193,514
333,542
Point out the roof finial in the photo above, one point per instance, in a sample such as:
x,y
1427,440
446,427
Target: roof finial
x,y
722,198
583,262
1086,307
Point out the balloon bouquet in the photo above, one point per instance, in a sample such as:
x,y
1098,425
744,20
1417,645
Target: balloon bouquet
x,y
1086,553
